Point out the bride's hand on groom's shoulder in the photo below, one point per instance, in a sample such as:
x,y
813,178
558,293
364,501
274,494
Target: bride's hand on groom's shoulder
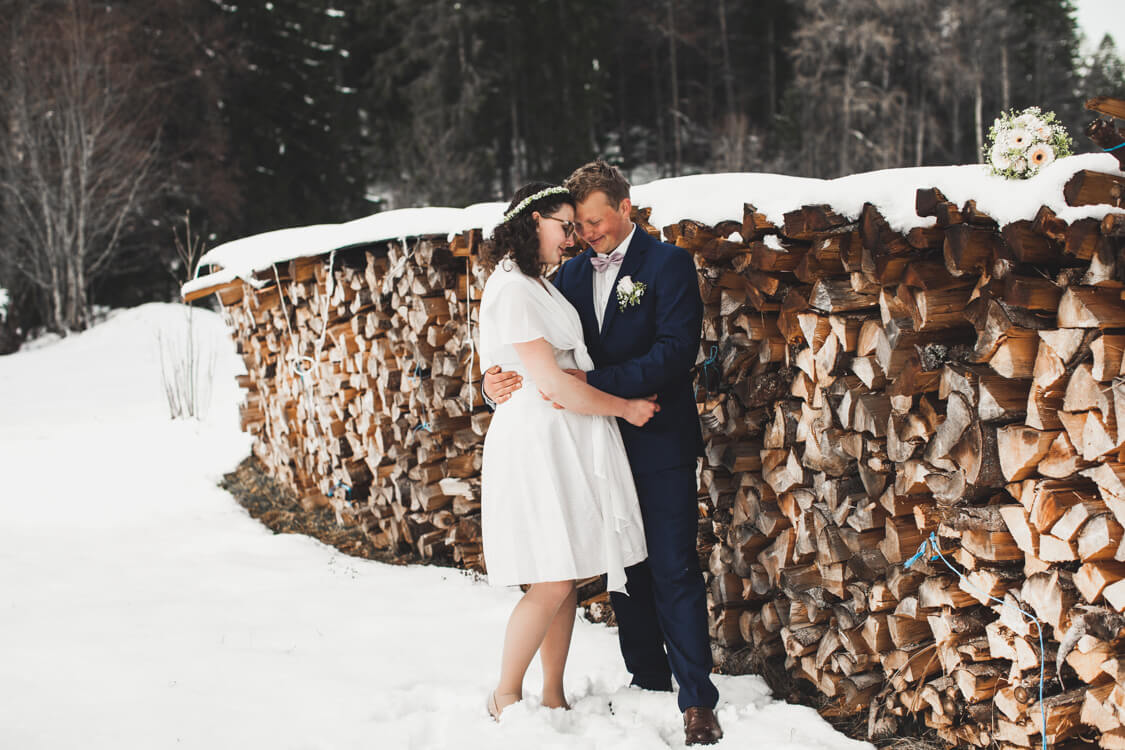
x,y
499,385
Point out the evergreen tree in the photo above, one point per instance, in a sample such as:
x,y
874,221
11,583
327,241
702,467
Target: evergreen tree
x,y
189,47
291,113
1105,71
425,96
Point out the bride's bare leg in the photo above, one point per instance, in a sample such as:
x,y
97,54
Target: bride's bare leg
x,y
553,652
527,627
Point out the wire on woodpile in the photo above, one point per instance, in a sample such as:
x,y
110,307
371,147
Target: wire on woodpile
x,y
303,365
932,543
469,322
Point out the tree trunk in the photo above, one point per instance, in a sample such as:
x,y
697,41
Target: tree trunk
x,y
56,319
622,118
72,307
956,127
661,128
771,66
978,115
1005,84
517,172
920,138
728,73
846,120
673,73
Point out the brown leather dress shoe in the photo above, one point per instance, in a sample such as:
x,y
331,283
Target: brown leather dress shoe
x,y
701,727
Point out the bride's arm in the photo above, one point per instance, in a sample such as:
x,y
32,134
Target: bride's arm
x,y
538,357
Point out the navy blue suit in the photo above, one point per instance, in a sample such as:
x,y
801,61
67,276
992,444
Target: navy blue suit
x,y
645,349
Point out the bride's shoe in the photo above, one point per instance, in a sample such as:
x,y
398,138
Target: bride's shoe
x,y
493,706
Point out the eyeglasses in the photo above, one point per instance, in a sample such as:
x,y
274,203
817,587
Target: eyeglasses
x,y
569,227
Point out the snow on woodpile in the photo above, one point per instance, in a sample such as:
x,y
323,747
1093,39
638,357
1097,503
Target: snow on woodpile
x,y
886,359
706,198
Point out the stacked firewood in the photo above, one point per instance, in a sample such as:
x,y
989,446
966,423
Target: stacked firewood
x,y
862,390
358,388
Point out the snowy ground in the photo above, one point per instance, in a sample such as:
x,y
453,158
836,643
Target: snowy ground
x,y
141,607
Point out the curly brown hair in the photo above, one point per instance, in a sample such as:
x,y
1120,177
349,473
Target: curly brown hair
x,y
518,236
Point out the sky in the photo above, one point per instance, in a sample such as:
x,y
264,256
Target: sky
x,y
1097,17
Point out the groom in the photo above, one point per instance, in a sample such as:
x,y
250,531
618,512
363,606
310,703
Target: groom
x,y
641,313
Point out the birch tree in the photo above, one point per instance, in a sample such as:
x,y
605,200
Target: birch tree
x,y
78,160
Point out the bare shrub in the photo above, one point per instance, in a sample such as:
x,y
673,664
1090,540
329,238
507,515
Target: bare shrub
x,y
187,364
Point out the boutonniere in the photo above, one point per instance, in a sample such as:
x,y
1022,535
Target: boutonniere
x,y
629,293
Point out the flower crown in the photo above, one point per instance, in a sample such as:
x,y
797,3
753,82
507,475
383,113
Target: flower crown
x,y
554,190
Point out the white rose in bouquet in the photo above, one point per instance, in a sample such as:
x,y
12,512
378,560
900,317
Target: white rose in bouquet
x,y
999,158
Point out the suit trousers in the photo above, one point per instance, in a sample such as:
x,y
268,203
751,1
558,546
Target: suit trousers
x,y
662,623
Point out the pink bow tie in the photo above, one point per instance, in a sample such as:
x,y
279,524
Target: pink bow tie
x,y
602,262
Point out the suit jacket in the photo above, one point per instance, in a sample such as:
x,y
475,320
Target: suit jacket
x,y
647,348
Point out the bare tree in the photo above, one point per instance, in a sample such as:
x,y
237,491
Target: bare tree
x,y
78,163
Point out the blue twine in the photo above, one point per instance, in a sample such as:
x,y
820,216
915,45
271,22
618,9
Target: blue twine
x,y
932,543
708,367
424,426
917,555
1119,145
347,490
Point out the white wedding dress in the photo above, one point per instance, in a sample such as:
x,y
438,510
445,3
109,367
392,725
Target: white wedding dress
x,y
558,499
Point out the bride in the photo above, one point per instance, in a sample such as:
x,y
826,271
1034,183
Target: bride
x,y
558,500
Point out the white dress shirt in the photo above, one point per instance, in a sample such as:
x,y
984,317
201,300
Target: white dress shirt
x,y
604,281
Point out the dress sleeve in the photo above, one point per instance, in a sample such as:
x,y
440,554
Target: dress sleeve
x,y
518,317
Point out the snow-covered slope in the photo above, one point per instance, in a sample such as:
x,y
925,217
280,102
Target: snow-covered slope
x,y
141,607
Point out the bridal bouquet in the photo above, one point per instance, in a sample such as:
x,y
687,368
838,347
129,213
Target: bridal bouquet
x,y
1019,145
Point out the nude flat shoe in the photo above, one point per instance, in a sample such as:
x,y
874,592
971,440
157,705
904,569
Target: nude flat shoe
x,y
493,705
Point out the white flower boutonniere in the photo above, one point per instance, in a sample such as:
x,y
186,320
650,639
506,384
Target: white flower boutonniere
x,y
629,293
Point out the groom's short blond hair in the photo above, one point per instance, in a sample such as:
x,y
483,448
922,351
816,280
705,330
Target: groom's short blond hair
x,y
598,176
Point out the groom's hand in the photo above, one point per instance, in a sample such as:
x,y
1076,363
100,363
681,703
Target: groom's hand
x,y
499,385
